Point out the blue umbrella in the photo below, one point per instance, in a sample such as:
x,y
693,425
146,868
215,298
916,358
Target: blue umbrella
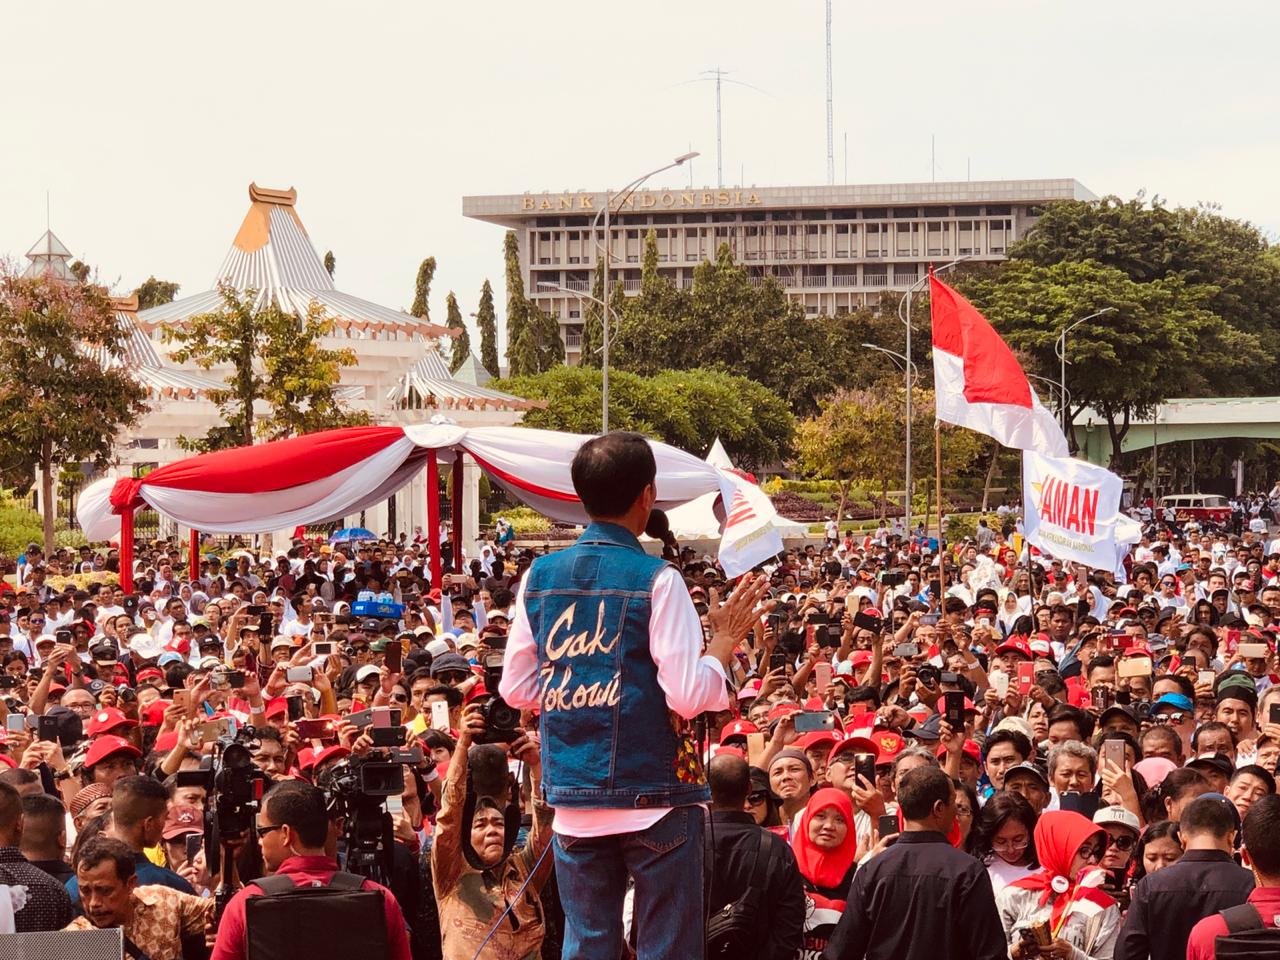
x,y
351,533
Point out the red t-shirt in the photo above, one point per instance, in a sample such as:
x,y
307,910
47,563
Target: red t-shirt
x,y
1200,945
303,871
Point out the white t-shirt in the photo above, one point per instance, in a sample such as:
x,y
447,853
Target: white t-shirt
x,y
1002,874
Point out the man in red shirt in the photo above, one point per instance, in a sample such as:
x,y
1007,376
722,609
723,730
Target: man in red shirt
x,y
293,827
1262,854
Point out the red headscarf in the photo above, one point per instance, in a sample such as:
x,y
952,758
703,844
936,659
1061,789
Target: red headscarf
x,y
825,868
1059,835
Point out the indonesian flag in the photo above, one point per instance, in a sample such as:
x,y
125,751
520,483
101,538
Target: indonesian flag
x,y
978,382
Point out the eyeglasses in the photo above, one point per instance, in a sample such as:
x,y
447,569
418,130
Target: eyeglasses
x,y
263,831
399,698
757,796
1094,852
1123,843
1009,846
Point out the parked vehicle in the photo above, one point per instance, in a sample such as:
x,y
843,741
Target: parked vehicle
x,y
1202,507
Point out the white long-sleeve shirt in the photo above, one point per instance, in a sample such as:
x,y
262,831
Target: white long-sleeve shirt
x,y
692,684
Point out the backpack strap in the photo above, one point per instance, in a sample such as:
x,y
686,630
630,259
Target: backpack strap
x,y
275,885
346,881
1242,917
760,866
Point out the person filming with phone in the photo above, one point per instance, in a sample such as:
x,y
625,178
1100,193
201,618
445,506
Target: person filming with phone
x,y
607,644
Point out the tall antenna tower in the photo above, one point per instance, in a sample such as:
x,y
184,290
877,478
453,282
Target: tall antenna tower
x,y
720,76
831,157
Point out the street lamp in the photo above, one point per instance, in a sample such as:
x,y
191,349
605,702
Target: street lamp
x,y
1060,348
906,299
1062,398
577,294
604,266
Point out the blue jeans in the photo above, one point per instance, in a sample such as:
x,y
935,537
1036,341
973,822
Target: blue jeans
x,y
665,862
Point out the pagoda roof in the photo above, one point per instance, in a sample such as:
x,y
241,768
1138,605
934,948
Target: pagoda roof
x,y
272,254
428,384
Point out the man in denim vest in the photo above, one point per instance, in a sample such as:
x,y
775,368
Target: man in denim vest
x,y
607,645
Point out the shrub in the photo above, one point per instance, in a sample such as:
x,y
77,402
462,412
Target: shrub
x,y
526,521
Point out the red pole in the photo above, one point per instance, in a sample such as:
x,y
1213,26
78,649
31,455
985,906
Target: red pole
x,y
195,554
433,516
126,550
457,512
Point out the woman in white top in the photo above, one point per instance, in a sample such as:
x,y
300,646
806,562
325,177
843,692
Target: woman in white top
x,y
1001,839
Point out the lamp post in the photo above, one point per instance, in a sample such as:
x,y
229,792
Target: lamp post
x,y
906,299
907,366
576,294
1058,391
604,265
1060,348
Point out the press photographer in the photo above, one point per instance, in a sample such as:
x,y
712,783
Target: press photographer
x,y
307,907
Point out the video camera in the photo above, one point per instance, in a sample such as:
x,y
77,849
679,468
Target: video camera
x,y
234,786
356,791
501,720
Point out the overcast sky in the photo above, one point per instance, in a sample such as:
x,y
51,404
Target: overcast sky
x,y
146,121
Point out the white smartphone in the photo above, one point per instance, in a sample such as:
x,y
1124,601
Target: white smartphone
x,y
395,804
439,715
1000,683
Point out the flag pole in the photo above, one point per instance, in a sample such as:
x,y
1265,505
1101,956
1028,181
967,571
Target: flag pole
x,y
937,463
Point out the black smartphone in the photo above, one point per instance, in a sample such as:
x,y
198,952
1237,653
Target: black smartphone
x,y
294,706
194,842
865,621
391,658
63,636
47,729
887,825
8,681
777,661
256,609
953,709
1273,713
935,587
930,620
864,766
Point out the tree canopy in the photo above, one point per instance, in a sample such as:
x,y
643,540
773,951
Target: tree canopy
x,y
687,408
59,403
487,324
295,378
152,293
462,342
422,289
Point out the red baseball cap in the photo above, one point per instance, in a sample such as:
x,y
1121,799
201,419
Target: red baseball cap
x,y
816,738
782,710
739,728
107,719
853,743
276,707
1016,644
888,745
153,712
109,745
166,741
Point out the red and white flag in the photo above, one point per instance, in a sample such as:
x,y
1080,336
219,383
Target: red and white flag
x,y
978,382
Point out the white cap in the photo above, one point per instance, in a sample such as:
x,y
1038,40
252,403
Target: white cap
x,y
1118,815
367,671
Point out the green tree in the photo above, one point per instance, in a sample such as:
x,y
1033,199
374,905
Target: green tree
x,y
80,270
152,293
296,378
1160,335
522,343
58,402
1230,261
462,342
593,321
688,409
422,289
487,324
330,262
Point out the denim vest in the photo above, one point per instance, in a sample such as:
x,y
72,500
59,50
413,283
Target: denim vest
x,y
607,734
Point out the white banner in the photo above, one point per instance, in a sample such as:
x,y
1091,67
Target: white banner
x,y
1072,508
749,536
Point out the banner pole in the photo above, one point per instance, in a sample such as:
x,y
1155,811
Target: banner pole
x,y
194,558
126,550
937,464
456,504
433,517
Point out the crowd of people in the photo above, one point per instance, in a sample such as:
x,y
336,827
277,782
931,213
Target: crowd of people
x,y
978,754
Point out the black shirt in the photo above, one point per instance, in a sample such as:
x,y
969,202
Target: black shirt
x,y
60,870
1168,903
48,907
920,900
732,839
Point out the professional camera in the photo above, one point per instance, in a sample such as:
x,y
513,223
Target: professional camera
x,y
356,791
501,720
234,787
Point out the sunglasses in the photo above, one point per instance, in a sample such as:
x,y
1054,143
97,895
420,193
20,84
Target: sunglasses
x,y
757,796
1168,718
1125,843
399,698
1093,852
263,831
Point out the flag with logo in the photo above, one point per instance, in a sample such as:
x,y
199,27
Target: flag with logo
x,y
1072,509
978,381
749,537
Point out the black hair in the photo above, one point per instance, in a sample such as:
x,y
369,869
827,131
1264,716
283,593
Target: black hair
x,y
1262,835
1159,830
1176,785
1018,739
101,849
611,471
730,780
1101,660
10,806
451,695
1185,686
1002,807
433,739
1253,770
1213,726
300,806
1082,720
135,798
268,732
502,598
1159,732
920,789
1208,815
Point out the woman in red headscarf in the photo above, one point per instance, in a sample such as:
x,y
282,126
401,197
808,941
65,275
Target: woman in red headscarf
x,y
826,846
1062,900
